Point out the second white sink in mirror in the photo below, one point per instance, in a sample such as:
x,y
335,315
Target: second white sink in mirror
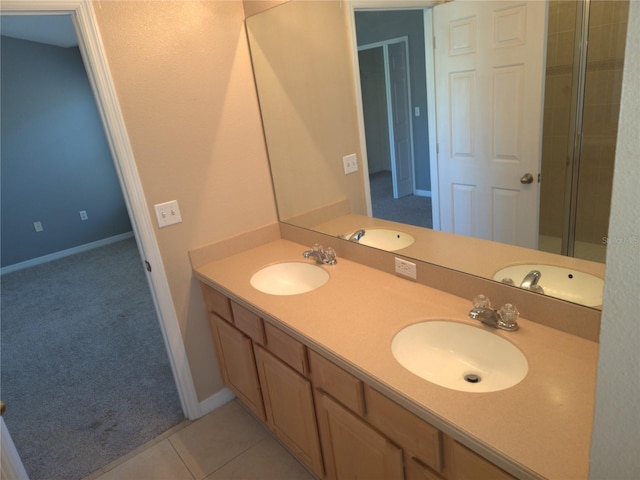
x,y
559,282
289,278
459,356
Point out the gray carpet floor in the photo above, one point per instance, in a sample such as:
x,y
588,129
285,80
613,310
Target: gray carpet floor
x,y
412,209
84,369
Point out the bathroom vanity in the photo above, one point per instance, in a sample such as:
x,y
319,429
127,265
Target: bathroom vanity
x,y
318,369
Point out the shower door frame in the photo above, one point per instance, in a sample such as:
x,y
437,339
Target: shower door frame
x,y
576,128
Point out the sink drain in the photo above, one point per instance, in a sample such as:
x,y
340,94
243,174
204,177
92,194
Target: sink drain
x,y
472,378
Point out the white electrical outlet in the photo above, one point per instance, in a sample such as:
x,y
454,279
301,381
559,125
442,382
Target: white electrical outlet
x,y
350,163
168,213
38,226
83,215
405,268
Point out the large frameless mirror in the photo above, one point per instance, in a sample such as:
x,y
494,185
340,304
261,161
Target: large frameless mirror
x,y
474,135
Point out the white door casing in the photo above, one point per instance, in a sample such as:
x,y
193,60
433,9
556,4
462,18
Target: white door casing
x,y
489,61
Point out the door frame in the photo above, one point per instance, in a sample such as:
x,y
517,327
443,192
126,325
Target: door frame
x,y
384,44
426,7
97,67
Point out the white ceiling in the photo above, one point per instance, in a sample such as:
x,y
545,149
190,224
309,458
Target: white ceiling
x,y
50,29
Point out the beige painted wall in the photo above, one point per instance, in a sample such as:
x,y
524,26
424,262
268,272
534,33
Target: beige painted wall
x,y
184,82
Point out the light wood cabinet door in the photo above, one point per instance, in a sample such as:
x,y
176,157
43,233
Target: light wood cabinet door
x,y
351,448
288,401
235,352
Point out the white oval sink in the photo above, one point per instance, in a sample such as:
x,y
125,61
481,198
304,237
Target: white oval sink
x,y
559,282
386,239
459,356
289,278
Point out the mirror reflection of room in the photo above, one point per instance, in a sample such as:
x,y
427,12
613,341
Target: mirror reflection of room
x,y
391,57
580,127
549,123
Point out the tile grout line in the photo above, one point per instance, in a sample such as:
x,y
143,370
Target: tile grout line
x,y
219,467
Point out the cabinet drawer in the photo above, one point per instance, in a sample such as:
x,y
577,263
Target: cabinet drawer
x,y
412,433
286,348
340,384
216,302
248,322
464,464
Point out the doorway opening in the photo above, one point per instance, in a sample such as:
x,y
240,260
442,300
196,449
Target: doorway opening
x,y
392,68
127,178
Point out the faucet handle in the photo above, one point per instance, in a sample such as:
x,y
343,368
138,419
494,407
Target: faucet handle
x,y
508,316
330,256
481,301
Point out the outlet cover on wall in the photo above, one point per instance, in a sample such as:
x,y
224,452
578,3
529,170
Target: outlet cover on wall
x,y
405,268
350,163
168,213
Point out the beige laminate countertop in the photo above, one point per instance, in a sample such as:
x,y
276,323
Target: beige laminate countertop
x,y
540,428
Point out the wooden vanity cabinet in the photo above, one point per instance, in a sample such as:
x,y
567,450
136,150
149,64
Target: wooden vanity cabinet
x,y
264,367
337,425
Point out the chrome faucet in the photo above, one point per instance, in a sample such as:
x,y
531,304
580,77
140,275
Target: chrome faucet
x,y
504,319
531,279
326,257
355,236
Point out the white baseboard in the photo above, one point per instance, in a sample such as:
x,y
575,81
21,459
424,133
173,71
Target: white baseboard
x,y
215,401
423,193
64,253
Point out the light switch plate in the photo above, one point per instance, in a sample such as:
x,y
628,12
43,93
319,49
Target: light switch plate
x,y
168,213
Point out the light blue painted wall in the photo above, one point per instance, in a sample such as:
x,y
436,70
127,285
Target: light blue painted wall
x,y
374,27
55,160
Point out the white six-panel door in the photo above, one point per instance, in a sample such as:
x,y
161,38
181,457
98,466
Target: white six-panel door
x,y
489,61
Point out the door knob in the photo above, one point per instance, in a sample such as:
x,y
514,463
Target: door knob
x,y
526,179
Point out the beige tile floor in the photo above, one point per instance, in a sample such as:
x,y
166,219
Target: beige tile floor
x,y
225,444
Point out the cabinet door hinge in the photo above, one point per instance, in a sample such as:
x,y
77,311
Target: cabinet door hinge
x,y
147,265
